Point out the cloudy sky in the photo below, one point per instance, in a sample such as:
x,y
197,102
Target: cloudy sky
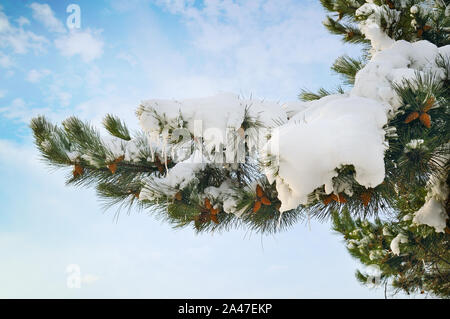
x,y
124,52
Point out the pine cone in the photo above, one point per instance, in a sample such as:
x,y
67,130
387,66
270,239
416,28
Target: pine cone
x,y
257,206
112,167
390,4
204,217
77,170
327,200
214,219
428,104
419,33
365,197
425,119
259,191
411,117
119,159
341,199
208,204
266,201
350,35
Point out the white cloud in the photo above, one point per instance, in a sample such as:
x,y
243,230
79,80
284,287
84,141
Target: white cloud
x,y
86,43
18,103
2,93
131,59
21,111
21,21
16,107
126,6
260,32
11,153
35,76
5,61
264,47
64,98
176,6
19,39
4,22
58,97
44,14
9,73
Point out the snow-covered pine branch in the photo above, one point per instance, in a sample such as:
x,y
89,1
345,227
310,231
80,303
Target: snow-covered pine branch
x,y
377,147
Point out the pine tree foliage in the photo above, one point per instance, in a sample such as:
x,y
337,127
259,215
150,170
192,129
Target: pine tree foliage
x,y
422,267
378,224
116,127
422,263
119,181
306,95
347,67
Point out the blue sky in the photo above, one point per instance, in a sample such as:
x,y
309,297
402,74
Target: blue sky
x,y
124,52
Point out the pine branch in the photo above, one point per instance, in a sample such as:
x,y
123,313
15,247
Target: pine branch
x,y
116,127
306,95
349,32
347,67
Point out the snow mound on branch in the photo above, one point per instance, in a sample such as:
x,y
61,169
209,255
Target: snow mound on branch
x,y
224,194
294,107
118,147
395,243
371,27
400,61
433,212
333,131
221,111
217,119
178,177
